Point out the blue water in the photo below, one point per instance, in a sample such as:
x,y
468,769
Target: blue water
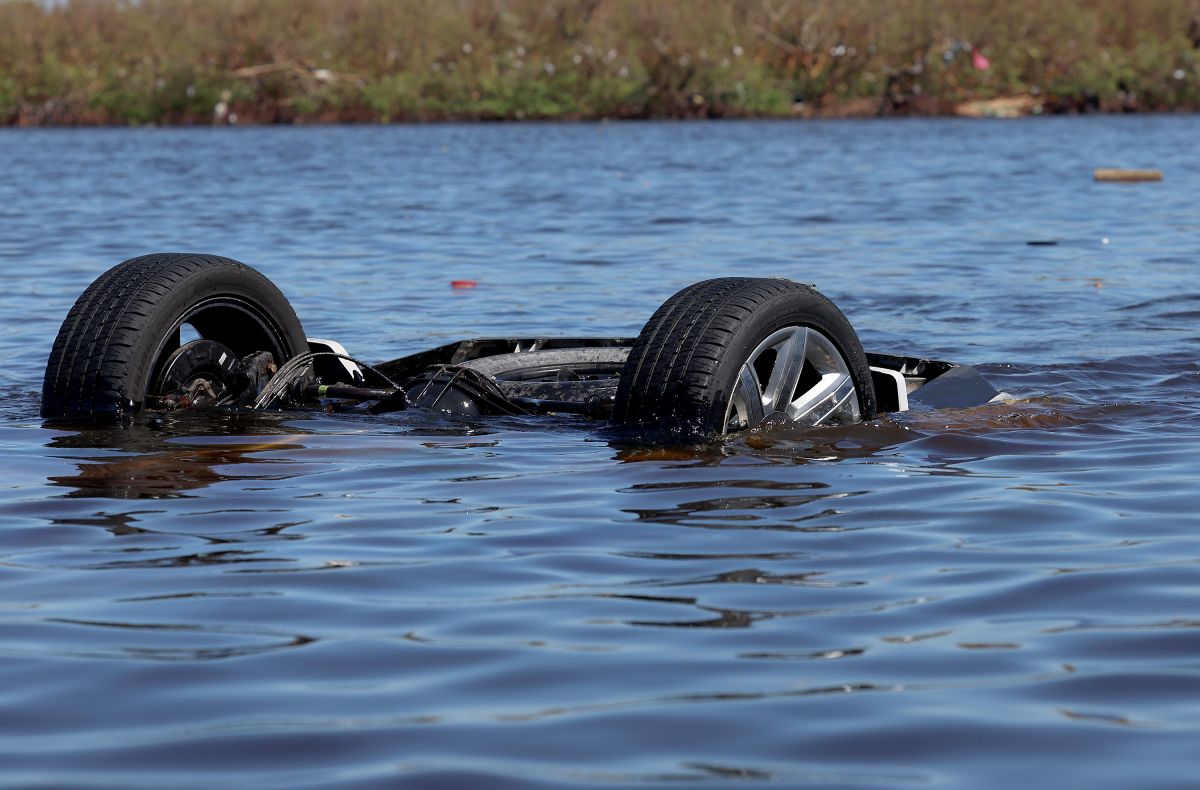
x,y
978,598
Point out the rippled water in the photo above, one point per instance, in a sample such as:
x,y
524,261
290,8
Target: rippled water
x,y
980,597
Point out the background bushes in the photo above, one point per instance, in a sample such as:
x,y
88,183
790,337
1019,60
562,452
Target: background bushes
x,y
284,61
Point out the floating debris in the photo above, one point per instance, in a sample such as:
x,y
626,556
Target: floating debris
x,y
1003,107
1117,174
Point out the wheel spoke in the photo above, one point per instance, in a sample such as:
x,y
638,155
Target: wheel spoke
x,y
747,402
832,395
789,363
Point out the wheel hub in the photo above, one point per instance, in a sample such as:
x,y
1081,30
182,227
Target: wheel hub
x,y
198,373
796,375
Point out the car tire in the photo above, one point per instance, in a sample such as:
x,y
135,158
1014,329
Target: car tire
x,y
735,353
122,329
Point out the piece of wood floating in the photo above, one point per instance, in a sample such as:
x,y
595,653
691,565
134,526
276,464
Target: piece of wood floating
x,y
1115,174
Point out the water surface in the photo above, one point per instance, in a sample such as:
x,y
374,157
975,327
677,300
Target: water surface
x,y
970,598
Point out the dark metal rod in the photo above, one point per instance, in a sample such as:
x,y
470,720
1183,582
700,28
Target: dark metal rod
x,y
347,391
541,405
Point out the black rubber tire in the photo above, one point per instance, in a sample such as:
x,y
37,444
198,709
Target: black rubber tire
x,y
114,338
682,369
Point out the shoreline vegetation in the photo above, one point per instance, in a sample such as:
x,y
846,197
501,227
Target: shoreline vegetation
x,y
131,62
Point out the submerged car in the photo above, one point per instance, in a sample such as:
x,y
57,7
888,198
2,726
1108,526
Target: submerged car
x,y
180,330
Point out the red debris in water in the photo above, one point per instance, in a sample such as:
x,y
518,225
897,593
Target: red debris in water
x,y
463,283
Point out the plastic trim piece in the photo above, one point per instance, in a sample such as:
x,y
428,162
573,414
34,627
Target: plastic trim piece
x,y
317,345
891,390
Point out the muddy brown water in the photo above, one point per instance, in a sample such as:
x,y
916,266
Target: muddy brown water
x,y
968,598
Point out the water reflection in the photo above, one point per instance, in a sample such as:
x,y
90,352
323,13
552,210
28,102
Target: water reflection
x,y
777,445
168,458
727,617
730,512
174,641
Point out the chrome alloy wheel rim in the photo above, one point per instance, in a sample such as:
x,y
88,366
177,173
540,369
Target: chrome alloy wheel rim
x,y
795,375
